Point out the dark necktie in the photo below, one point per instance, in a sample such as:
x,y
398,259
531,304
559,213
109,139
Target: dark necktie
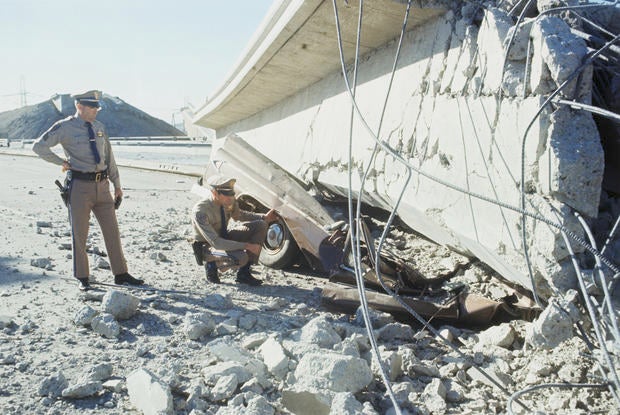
x,y
224,230
93,143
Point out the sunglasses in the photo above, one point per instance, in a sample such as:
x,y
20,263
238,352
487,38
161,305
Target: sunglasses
x,y
226,192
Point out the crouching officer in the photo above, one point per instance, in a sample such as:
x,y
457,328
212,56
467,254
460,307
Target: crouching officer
x,y
90,168
241,239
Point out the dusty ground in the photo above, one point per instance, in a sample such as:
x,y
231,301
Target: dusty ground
x,y
38,305
153,220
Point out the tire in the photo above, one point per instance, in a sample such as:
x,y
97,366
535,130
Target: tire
x,y
279,249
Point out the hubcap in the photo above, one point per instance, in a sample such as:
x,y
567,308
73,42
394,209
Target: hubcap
x,y
275,236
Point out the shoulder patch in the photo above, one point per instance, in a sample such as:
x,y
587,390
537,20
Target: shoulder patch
x,y
51,130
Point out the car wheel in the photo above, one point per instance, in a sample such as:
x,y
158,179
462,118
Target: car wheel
x,y
279,249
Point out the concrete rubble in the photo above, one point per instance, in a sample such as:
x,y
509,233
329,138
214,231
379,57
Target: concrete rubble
x,y
166,352
191,348
312,382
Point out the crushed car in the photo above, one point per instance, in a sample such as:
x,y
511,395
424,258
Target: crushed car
x,y
307,228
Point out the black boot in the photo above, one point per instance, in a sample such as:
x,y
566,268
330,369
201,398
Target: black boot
x,y
212,273
83,284
244,276
126,278
197,248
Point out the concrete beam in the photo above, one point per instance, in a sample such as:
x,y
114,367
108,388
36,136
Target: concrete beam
x,y
296,46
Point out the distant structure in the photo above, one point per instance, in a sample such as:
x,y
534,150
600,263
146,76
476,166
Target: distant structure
x,y
64,103
194,130
23,95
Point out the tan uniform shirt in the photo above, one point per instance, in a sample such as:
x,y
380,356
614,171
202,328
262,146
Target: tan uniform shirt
x,y
207,223
72,134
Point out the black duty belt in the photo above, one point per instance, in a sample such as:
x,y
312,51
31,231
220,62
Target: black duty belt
x,y
92,177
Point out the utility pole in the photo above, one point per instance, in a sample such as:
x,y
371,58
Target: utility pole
x,y
22,92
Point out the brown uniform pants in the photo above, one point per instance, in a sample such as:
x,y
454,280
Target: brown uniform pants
x,y
253,232
86,197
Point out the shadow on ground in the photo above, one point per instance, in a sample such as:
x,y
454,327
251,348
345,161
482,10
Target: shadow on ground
x,y
10,274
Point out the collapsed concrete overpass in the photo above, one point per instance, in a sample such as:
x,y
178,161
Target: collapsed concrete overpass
x,y
467,115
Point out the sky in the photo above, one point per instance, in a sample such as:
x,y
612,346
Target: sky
x,y
157,55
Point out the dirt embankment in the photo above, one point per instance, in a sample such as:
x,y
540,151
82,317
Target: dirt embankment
x,y
120,119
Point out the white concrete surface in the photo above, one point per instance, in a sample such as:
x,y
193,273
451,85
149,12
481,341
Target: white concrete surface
x,y
451,115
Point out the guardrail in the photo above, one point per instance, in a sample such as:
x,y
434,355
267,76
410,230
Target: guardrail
x,y
158,138
127,141
157,141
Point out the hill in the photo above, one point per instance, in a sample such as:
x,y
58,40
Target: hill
x,y
120,119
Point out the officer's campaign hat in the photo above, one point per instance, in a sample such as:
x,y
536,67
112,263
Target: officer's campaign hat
x,y
88,98
222,184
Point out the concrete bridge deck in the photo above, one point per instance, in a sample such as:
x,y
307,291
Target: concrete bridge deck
x,y
295,46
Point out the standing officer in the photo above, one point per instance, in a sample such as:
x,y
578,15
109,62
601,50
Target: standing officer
x,y
89,164
242,240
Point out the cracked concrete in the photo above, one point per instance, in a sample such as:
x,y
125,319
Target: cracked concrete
x,y
468,125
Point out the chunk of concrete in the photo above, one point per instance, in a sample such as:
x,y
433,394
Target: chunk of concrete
x,y
344,403
307,401
226,350
557,55
224,388
319,331
53,385
378,318
85,316
392,363
553,326
82,390
197,325
334,372
99,372
148,393
121,305
493,31
275,358
496,375
502,336
434,397
106,325
212,373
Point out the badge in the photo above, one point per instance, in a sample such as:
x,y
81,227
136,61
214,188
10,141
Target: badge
x,y
99,134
